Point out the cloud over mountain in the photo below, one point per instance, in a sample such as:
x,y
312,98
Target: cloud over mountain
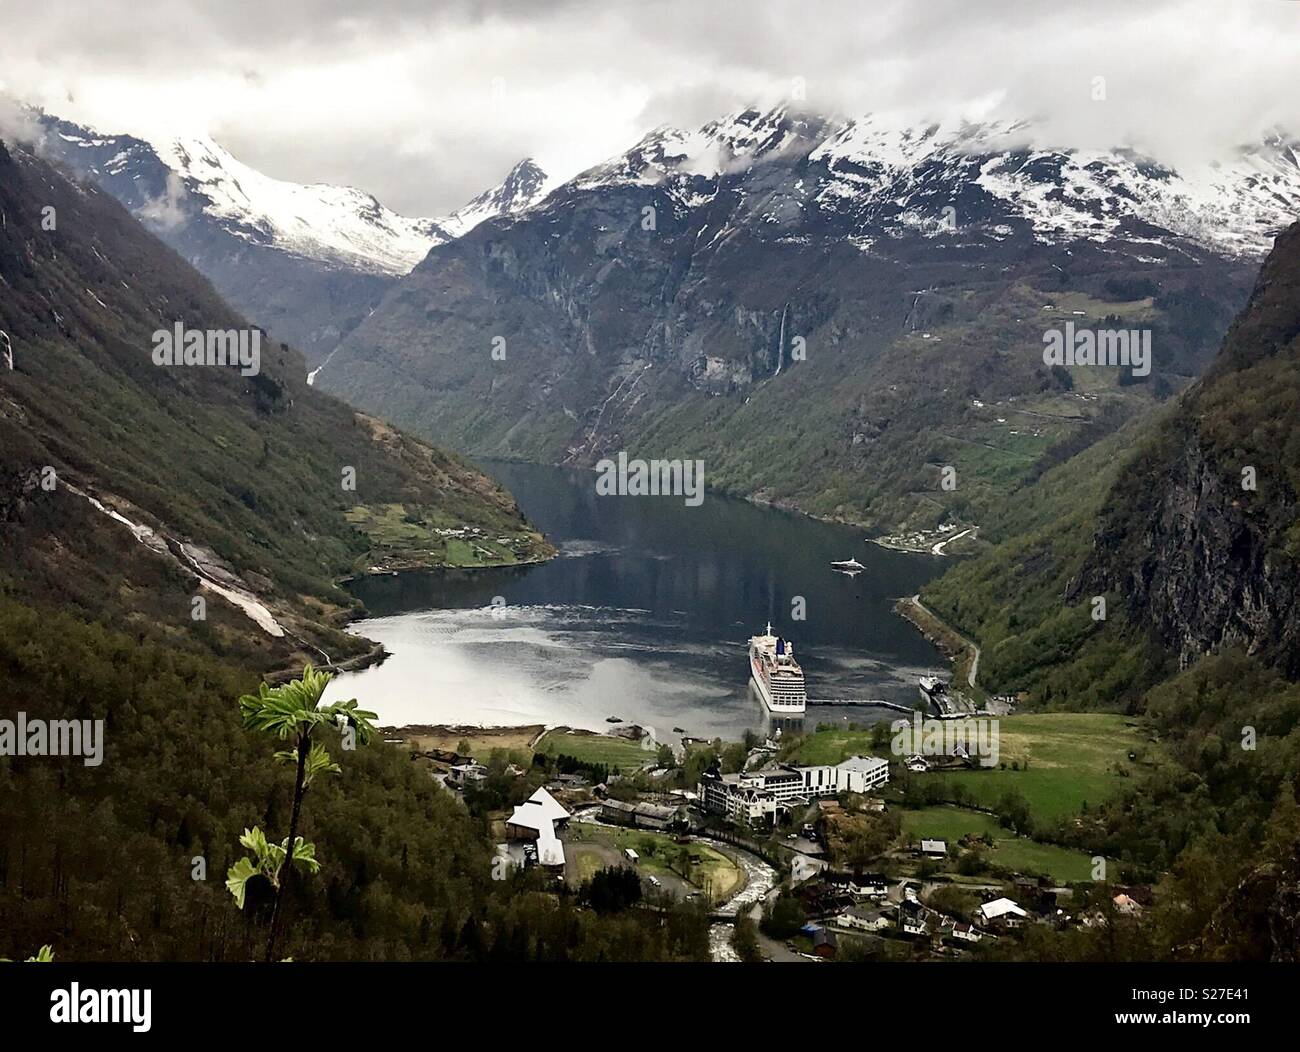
x,y
424,105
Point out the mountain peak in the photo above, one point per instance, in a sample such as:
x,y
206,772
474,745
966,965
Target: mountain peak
x,y
524,185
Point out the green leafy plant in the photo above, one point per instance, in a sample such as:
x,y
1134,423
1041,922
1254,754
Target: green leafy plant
x,y
44,955
293,713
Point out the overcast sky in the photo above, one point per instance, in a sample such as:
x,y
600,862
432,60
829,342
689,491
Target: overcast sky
x,y
425,102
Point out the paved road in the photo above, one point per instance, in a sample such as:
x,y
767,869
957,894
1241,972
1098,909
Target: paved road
x,y
938,548
975,661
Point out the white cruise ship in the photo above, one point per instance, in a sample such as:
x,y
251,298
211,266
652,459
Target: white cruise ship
x,y
777,674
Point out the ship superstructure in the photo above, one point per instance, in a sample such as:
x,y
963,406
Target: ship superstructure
x,y
777,674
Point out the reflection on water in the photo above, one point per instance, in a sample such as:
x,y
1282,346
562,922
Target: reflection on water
x,y
645,616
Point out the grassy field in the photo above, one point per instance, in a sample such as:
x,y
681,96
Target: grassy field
x,y
1018,853
582,862
710,871
1059,863
1074,758
617,752
834,745
407,535
948,823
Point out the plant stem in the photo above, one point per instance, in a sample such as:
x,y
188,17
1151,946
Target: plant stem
x,y
286,867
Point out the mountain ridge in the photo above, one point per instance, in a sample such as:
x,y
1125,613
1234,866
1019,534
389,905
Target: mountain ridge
x,y
128,487
661,301
308,262
1192,555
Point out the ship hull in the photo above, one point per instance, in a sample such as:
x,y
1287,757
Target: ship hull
x,y
765,692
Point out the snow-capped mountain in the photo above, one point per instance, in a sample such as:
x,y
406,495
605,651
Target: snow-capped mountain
x,y
332,224
521,189
867,176
855,289
307,262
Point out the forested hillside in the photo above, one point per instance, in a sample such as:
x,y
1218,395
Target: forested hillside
x,y
215,484
1198,576
103,862
256,483
827,314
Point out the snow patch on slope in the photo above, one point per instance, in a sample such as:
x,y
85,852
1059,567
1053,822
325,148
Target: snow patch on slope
x,y
332,223
886,177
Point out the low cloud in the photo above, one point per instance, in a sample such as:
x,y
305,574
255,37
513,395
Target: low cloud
x,y
167,210
424,107
18,123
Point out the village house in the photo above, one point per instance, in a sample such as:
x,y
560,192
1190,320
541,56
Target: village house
x,y
1126,905
911,917
450,759
862,918
934,848
963,932
1001,913
537,819
804,868
866,886
823,939
640,815
465,774
825,943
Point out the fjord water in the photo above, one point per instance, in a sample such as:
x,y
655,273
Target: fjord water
x,y
645,615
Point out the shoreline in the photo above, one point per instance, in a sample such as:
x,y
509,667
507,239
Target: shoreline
x,y
928,542
396,571
951,643
378,654
918,543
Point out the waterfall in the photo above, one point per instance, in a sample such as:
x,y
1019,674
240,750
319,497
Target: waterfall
x,y
780,350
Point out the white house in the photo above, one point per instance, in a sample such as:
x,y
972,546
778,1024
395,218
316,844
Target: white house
x,y
539,812
804,868
868,886
862,919
1003,912
911,917
966,932
936,848
537,819
464,774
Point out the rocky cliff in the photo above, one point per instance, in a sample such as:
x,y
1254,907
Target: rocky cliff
x,y
1201,534
826,315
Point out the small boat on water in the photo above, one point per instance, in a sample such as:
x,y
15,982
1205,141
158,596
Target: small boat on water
x,y
848,566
